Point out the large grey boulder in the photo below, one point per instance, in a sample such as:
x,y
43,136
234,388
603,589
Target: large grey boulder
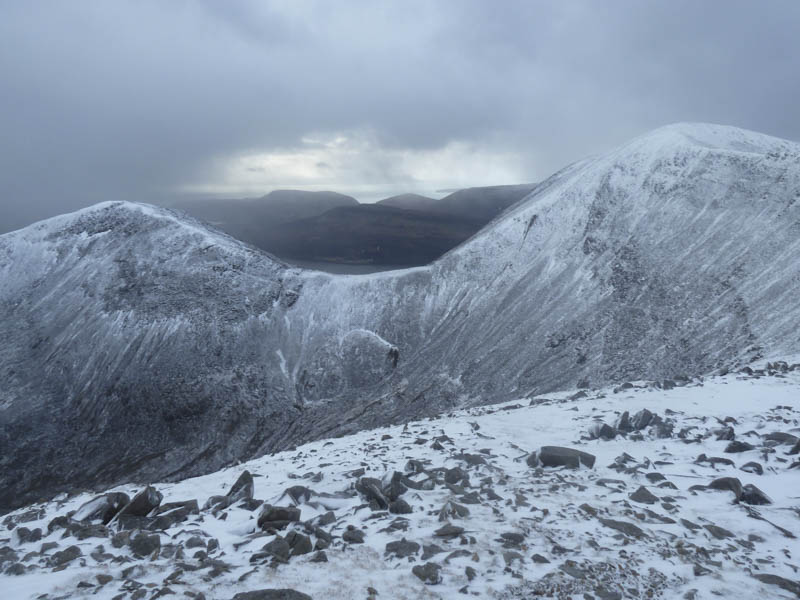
x,y
277,594
557,456
104,507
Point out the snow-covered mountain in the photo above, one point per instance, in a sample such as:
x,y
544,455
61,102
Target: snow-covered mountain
x,y
141,344
632,492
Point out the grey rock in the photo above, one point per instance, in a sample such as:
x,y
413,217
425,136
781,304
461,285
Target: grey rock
x,y
718,532
299,543
644,496
352,535
273,594
104,507
319,557
782,438
602,431
278,517
753,467
556,456
170,514
448,531
624,527
242,489
641,419
277,548
512,539
429,550
752,495
143,544
65,556
371,489
731,484
28,536
453,510
456,475
402,548
783,583
737,446
539,559
429,573
142,504
400,507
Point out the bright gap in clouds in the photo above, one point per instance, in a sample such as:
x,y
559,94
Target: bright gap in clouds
x,y
355,163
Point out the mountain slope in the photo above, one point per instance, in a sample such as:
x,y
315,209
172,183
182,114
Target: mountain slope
x,y
694,490
144,345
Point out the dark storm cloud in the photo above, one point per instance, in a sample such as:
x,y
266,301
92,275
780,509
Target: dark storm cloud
x,y
135,100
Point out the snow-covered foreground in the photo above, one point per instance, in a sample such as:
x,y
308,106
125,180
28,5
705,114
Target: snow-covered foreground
x,y
486,519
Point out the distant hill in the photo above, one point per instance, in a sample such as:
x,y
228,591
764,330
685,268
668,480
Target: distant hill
x,y
249,219
327,227
371,234
483,203
478,203
410,202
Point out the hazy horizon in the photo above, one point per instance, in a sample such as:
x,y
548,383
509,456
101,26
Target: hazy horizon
x,y
149,101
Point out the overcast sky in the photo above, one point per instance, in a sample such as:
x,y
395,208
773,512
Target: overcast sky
x,y
148,100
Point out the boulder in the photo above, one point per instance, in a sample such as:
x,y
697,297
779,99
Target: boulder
x,y
143,544
641,419
556,456
278,517
622,526
65,556
402,549
400,507
623,424
278,549
242,489
738,446
142,504
298,543
752,495
731,484
299,494
644,496
429,573
372,490
275,594
782,438
353,535
602,431
752,467
448,531
170,514
783,583
104,507
28,536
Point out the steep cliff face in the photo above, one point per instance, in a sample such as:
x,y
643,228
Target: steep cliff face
x,y
142,344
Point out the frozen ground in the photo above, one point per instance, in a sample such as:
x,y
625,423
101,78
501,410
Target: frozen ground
x,y
519,529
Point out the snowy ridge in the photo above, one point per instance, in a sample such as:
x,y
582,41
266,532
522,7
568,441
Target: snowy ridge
x,y
673,255
473,512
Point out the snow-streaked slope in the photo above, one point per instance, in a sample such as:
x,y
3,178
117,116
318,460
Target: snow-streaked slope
x,y
566,517
141,344
676,254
